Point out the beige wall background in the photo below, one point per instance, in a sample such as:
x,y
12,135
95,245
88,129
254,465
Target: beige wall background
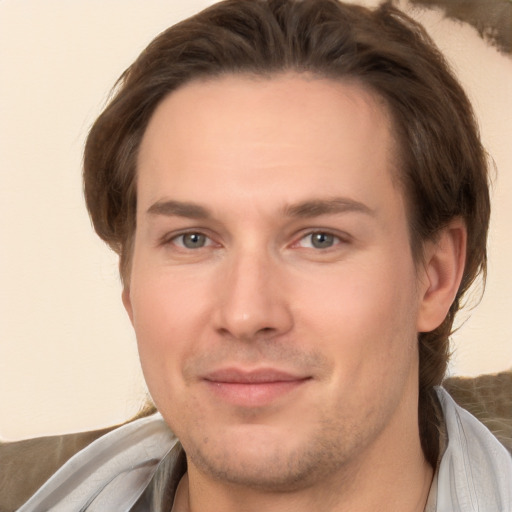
x,y
68,358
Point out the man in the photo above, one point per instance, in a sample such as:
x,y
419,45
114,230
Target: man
x,y
299,199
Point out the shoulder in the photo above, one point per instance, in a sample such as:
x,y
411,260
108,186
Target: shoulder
x,y
475,472
488,397
122,461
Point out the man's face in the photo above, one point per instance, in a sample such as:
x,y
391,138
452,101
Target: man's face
x,y
273,291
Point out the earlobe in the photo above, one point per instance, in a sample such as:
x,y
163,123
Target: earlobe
x,y
127,302
442,274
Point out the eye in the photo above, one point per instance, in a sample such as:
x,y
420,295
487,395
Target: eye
x,y
319,240
192,240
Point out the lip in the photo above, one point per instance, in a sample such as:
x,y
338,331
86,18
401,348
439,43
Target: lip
x,y
253,388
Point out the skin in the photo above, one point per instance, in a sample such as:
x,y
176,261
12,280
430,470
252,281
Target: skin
x,y
275,298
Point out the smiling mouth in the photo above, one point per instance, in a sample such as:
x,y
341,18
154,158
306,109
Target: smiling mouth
x,y
253,388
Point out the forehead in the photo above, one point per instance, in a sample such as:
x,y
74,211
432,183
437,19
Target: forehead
x,y
242,134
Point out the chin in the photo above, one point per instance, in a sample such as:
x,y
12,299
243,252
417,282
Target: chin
x,y
261,459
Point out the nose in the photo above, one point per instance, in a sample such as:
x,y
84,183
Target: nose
x,y
253,301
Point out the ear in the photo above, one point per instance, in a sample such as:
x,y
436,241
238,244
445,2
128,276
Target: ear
x,y
127,302
441,274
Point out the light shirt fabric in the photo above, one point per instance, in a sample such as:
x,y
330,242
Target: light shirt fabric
x,y
137,467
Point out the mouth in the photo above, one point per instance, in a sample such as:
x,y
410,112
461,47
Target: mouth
x,y
255,388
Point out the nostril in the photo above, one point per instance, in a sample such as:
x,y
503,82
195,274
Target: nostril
x,y
223,331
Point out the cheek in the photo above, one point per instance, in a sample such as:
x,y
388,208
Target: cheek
x,y
360,298
363,316
165,303
168,318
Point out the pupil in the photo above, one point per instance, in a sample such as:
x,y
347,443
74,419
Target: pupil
x,y
193,240
322,240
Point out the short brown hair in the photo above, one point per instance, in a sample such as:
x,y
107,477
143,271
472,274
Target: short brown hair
x,y
443,166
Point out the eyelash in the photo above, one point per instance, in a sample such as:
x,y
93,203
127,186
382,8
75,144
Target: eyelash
x,y
336,239
172,240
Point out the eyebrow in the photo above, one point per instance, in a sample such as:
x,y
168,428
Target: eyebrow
x,y
317,207
304,209
172,208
